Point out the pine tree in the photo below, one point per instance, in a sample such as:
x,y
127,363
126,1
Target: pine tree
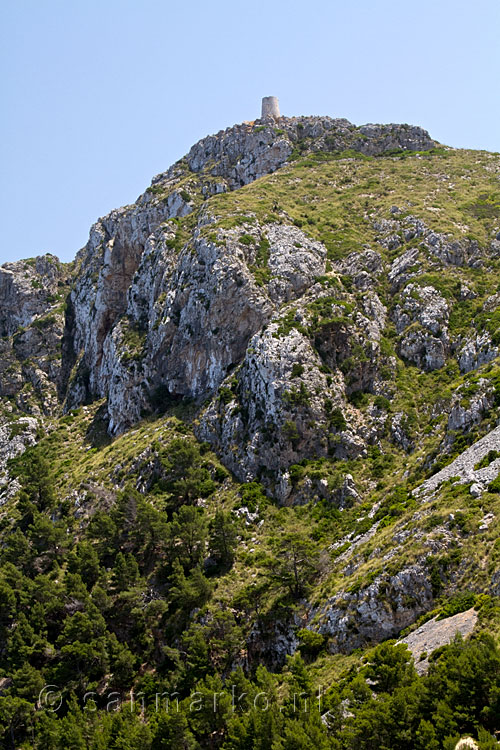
x,y
295,563
172,731
223,539
188,533
125,572
36,480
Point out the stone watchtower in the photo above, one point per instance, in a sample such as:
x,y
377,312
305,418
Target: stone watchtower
x,y
270,107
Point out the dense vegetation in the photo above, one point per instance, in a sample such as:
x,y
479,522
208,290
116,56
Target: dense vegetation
x,y
101,612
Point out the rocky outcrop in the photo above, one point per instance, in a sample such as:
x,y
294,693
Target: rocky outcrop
x,y
463,470
495,583
246,152
15,437
476,350
282,405
468,412
99,299
271,641
28,289
421,318
364,268
204,306
339,490
407,228
270,407
399,432
467,743
436,633
32,315
375,613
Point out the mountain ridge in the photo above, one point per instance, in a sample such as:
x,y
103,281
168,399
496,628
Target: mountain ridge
x,y
282,365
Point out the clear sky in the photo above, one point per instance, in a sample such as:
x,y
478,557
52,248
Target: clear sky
x,y
100,95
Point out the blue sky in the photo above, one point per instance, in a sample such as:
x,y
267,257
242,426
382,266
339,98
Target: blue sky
x,y
100,96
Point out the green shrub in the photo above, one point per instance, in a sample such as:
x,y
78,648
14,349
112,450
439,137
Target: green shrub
x,y
252,496
311,643
487,460
494,486
458,603
290,431
225,395
382,403
337,419
297,396
358,399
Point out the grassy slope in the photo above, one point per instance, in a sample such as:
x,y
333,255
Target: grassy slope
x,y
454,191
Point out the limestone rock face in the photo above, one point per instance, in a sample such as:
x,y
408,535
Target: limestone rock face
x,y
15,437
108,264
244,153
422,317
435,633
205,310
364,268
403,268
466,413
189,316
449,251
399,432
267,400
475,351
282,406
463,468
32,319
375,613
426,351
178,304
294,262
27,289
495,583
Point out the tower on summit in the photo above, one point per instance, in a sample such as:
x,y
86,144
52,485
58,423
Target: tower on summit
x,y
270,107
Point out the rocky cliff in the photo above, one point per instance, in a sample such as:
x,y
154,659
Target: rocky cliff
x,y
162,303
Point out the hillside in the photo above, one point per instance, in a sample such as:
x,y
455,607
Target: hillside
x,y
248,436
